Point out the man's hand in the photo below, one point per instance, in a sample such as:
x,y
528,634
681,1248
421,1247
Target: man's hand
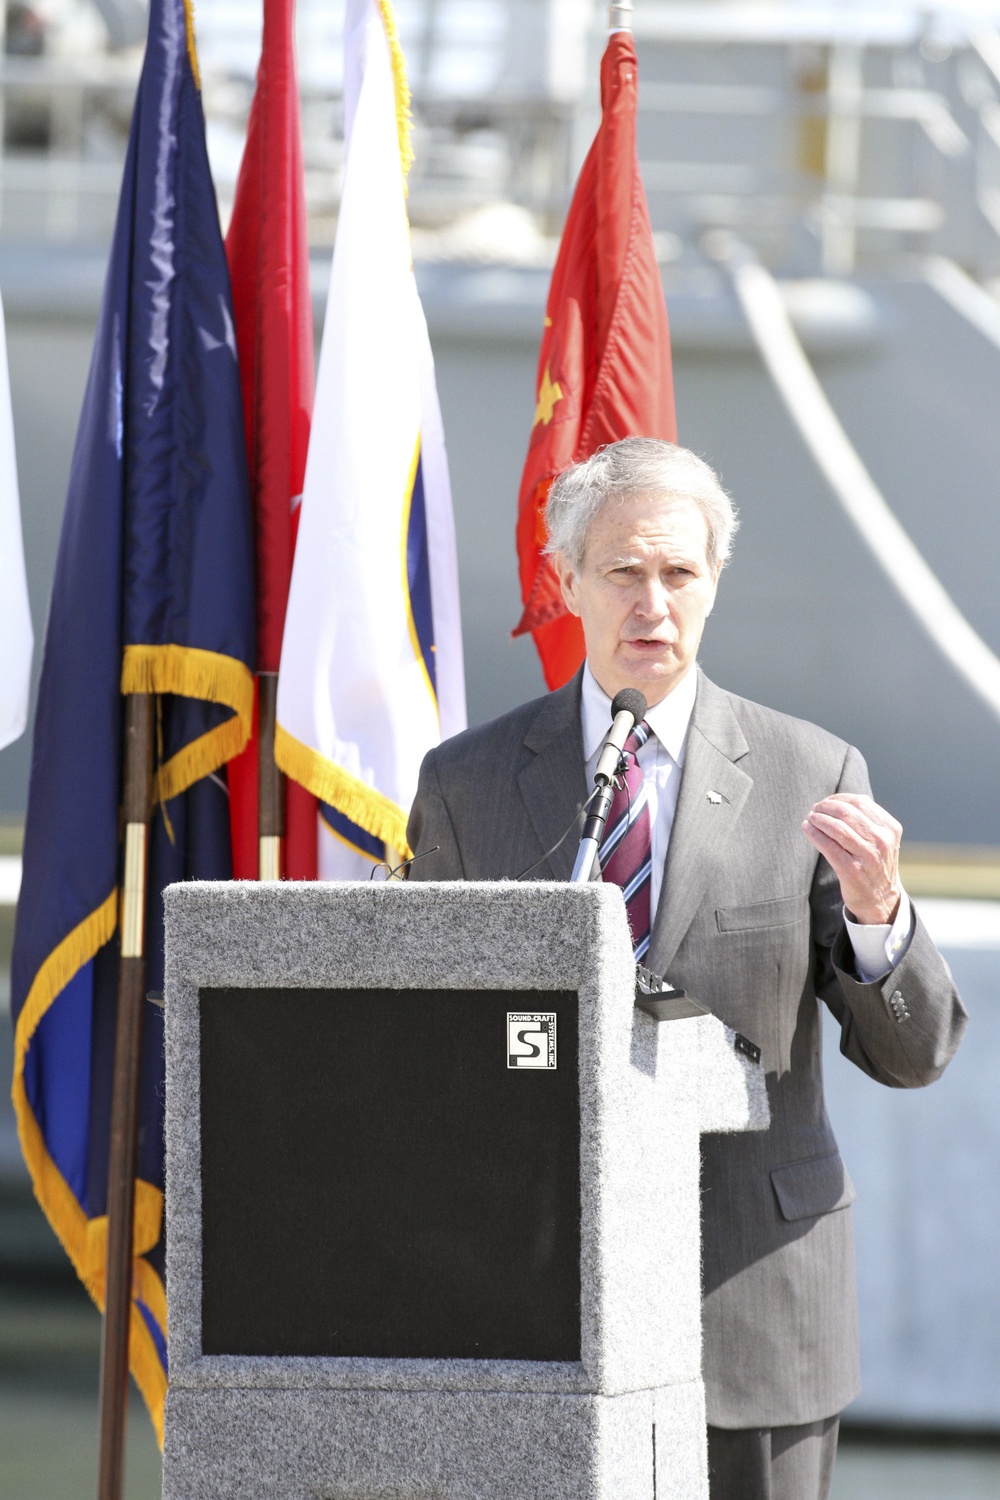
x,y
861,842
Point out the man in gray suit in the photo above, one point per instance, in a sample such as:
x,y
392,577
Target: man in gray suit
x,y
763,877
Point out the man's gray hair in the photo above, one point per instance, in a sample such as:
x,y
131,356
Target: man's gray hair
x,y
636,466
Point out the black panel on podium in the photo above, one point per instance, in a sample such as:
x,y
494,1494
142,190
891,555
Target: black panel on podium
x,y
381,1177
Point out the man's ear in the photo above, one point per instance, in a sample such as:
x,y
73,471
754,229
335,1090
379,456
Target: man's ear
x,y
716,575
566,574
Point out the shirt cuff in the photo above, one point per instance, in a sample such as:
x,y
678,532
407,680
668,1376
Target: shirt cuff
x,y
878,948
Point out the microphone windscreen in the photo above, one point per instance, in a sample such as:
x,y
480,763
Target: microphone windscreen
x,y
629,701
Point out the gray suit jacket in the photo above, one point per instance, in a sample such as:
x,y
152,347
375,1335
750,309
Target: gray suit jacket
x,y
750,921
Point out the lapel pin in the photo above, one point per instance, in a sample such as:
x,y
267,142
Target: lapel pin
x,y
714,797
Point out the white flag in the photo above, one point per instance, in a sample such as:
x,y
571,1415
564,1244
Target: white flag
x,y
16,639
371,664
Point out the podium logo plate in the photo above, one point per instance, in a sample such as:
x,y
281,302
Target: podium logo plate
x,y
531,1039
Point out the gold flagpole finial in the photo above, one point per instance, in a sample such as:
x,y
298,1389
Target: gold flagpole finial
x,y
620,15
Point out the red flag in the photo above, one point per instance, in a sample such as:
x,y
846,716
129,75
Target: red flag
x,y
604,368
268,251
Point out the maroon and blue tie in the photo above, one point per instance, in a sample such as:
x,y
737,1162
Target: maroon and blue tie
x,y
626,849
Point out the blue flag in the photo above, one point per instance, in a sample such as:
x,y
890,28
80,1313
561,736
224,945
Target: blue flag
x,y
153,593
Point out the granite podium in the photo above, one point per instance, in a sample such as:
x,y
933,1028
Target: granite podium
x,y
432,1197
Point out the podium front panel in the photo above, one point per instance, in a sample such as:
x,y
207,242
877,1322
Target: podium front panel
x,y
390,1173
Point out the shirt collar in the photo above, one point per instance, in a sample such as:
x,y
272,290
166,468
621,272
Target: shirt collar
x,y
668,719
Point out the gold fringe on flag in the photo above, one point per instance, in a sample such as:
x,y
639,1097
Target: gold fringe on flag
x,y
192,50
192,673
371,810
401,88
75,1232
149,1289
69,956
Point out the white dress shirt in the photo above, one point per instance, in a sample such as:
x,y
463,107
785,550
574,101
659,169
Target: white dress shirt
x,y
877,949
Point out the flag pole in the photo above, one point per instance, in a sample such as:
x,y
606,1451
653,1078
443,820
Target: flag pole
x,y
137,802
270,782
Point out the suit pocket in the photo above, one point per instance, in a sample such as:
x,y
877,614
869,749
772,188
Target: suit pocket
x,y
779,913
806,1189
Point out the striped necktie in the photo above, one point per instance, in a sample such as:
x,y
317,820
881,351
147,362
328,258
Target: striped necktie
x,y
626,850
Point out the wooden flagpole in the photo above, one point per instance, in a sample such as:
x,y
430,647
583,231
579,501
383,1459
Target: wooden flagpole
x,y
270,781
125,1097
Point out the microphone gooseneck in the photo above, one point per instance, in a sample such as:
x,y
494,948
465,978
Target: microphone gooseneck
x,y
628,709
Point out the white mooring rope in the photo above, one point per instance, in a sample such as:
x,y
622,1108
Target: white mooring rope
x,y
970,300
850,481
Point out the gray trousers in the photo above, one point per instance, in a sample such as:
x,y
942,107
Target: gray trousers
x,y
772,1463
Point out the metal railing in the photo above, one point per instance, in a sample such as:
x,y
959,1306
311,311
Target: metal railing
x,y
828,138
849,151
63,124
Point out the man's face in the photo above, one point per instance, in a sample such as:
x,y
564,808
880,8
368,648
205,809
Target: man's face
x,y
643,592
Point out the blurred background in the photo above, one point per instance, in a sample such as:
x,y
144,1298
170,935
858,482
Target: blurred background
x,y
856,149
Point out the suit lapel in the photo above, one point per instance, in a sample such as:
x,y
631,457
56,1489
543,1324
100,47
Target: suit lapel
x,y
552,783
713,792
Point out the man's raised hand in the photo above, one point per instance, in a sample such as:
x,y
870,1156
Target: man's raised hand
x,y
861,842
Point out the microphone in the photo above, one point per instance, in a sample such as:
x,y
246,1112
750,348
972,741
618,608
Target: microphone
x,y
628,709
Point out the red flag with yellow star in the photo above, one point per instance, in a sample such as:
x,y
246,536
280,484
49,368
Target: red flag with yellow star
x,y
604,370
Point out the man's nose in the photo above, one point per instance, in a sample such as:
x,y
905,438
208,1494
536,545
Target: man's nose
x,y
652,600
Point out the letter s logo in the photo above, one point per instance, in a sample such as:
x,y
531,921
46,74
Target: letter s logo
x,y
531,1039
523,1037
